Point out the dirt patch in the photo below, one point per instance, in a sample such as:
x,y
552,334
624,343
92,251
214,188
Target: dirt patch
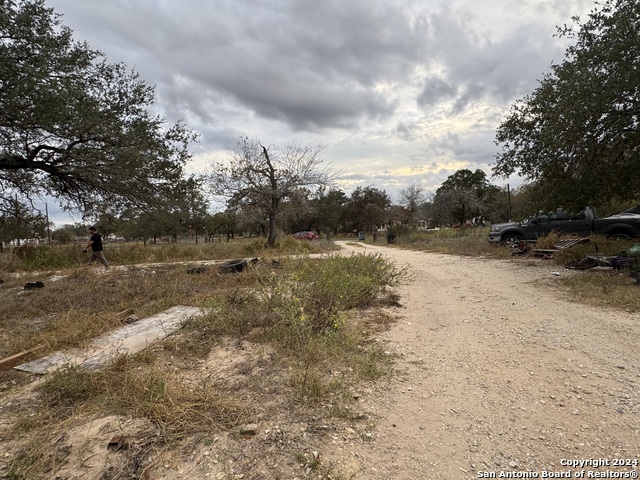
x,y
498,371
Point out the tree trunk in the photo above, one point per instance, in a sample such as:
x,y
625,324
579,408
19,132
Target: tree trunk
x,y
275,200
273,216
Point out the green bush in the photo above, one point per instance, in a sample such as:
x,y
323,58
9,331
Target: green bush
x,y
313,295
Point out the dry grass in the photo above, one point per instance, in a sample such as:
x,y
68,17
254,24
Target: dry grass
x,y
84,303
459,241
177,409
313,358
47,257
604,288
176,405
313,316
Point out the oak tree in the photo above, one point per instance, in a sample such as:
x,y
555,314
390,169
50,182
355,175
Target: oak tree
x,y
74,126
367,208
578,133
463,195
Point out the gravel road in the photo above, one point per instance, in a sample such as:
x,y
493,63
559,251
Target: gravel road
x,y
501,374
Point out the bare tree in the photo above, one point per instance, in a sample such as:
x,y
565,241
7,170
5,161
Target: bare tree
x,y
412,198
260,178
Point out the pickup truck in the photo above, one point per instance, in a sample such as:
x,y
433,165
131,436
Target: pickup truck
x,y
623,225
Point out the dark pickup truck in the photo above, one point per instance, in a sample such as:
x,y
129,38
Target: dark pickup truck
x,y
624,225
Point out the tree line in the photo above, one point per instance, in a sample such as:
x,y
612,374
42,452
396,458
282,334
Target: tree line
x,y
326,210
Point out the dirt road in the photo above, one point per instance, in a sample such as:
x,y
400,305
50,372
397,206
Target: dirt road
x,y
501,374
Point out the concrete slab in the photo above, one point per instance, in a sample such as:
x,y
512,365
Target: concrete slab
x,y
127,340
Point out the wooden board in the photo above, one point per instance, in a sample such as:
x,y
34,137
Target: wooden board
x,y
10,362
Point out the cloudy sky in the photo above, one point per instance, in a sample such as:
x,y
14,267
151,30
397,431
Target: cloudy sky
x,y
401,92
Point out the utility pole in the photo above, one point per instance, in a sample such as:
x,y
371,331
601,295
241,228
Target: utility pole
x,y
509,199
46,210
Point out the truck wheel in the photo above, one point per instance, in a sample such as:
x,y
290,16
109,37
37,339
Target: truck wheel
x,y
511,240
620,236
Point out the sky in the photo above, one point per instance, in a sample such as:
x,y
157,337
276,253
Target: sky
x,y
400,92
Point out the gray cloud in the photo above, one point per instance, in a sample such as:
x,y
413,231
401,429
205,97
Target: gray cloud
x,y
435,91
476,67
407,82
311,65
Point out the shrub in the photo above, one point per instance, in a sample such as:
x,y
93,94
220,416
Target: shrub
x,y
314,295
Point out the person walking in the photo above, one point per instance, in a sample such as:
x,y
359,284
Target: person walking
x,y
97,249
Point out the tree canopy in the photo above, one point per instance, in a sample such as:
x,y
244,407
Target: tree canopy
x,y
21,222
367,208
329,205
463,195
74,126
578,132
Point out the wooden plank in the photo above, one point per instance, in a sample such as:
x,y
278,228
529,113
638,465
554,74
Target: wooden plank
x,y
124,314
10,362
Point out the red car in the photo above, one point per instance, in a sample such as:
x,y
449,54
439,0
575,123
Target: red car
x,y
306,236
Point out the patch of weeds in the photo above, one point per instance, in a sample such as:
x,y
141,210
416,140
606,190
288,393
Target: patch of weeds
x,y
342,410
23,464
67,387
11,379
378,320
176,405
179,407
309,314
372,363
322,288
324,364
603,288
309,461
44,256
460,241
25,425
310,383
314,467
